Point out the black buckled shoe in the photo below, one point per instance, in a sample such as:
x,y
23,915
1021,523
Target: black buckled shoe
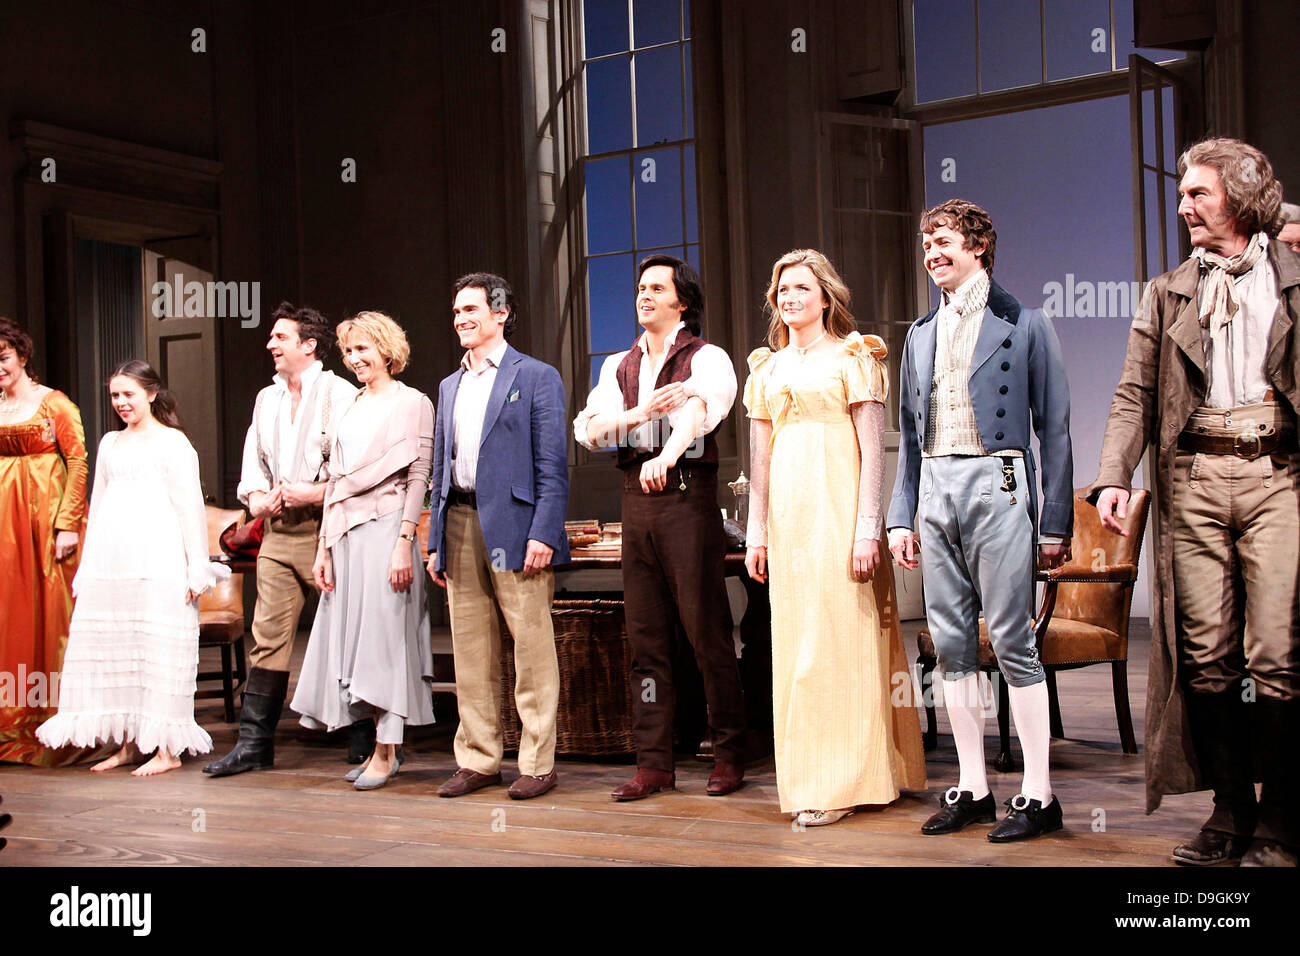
x,y
960,809
1027,819
1211,848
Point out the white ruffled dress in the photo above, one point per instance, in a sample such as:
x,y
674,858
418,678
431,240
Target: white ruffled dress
x,y
133,643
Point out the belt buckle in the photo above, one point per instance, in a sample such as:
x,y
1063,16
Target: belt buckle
x,y
1246,436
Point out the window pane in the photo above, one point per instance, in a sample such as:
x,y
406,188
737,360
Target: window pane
x,y
1010,44
658,198
609,205
686,18
945,48
611,294
609,105
1124,38
690,93
655,21
1074,48
692,212
693,255
658,96
606,27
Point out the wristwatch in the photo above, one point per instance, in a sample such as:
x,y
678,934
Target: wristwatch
x,y
407,537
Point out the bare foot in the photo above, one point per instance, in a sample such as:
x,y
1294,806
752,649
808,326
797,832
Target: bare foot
x,y
127,754
162,762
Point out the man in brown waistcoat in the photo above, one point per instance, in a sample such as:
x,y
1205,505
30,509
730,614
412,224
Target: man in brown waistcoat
x,y
1210,379
659,403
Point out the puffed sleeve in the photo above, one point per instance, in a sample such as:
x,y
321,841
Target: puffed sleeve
x,y
756,385
71,439
185,491
866,377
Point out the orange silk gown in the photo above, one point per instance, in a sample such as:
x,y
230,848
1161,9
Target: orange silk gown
x,y
43,474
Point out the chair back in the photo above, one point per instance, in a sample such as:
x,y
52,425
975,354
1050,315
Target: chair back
x,y
225,597
1096,549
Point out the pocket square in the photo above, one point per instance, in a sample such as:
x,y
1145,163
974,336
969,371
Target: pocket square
x,y
513,396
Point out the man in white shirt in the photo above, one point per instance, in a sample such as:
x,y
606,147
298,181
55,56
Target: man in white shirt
x,y
659,403
285,467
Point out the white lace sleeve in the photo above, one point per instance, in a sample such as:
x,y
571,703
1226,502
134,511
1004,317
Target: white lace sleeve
x,y
185,491
869,423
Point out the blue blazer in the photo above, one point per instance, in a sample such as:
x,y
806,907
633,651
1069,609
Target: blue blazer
x,y
522,483
1017,379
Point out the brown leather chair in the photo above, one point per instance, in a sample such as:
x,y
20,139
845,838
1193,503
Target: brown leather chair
x,y
1083,620
221,619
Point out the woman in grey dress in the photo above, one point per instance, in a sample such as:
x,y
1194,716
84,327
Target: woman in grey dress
x,y
370,654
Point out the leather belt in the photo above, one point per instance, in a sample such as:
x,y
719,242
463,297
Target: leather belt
x,y
1245,444
457,497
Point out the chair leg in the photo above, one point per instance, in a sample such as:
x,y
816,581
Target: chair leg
x,y
241,661
930,737
1119,678
1005,762
227,683
1053,706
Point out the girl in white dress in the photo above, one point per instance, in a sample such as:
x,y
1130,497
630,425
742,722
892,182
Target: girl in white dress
x,y
133,644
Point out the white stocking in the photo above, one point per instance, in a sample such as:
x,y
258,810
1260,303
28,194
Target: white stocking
x,y
961,697
1029,710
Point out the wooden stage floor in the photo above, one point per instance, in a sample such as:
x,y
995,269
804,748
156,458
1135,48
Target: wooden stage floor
x,y
304,813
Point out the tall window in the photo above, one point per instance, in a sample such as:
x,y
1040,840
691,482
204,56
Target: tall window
x,y
973,47
640,156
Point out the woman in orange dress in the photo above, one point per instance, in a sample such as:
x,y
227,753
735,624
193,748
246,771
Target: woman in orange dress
x,y
43,474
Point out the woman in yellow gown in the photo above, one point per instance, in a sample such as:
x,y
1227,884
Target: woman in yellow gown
x,y
845,724
43,475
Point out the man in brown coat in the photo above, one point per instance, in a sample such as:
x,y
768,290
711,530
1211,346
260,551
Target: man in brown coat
x,y
1210,379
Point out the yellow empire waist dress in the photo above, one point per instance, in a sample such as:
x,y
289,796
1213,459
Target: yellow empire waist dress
x,y
837,653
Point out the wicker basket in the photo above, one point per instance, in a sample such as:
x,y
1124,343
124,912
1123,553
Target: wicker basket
x,y
595,714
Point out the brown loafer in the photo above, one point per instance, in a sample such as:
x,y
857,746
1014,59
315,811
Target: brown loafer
x,y
645,782
527,787
465,781
726,778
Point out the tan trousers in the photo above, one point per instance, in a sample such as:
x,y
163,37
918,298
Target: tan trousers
x,y
1236,568
284,576
475,592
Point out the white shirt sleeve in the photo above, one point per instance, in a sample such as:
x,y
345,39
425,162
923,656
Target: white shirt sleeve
x,y
713,379
605,399
251,476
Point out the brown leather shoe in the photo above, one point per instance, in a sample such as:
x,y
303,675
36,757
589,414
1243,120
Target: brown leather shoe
x,y
526,787
645,782
465,781
726,778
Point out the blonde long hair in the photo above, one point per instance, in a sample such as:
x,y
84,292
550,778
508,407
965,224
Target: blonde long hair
x,y
836,317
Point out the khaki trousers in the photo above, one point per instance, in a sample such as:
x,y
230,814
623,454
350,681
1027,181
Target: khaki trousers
x,y
284,576
1236,568
475,593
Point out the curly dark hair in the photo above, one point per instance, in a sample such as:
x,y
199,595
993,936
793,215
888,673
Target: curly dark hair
x,y
687,283
498,293
972,221
311,325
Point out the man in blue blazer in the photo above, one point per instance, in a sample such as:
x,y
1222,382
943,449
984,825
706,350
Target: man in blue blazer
x,y
977,372
500,494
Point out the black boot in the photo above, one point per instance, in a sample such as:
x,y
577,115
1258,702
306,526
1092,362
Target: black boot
x,y
1277,735
1222,735
361,740
263,701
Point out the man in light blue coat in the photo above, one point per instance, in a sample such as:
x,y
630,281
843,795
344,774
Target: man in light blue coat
x,y
500,494
977,373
